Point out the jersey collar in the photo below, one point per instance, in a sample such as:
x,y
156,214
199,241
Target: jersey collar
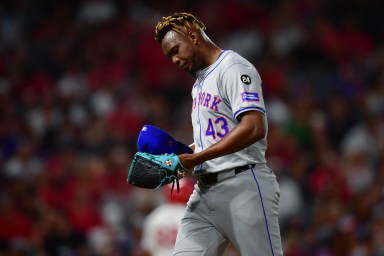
x,y
201,73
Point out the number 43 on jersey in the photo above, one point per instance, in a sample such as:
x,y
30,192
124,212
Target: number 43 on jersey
x,y
217,127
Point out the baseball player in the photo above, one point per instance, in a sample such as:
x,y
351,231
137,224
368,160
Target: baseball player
x,y
236,197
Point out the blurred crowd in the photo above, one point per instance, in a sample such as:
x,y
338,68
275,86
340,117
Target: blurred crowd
x,y
78,80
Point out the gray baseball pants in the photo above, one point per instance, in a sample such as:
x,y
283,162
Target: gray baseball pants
x,y
242,210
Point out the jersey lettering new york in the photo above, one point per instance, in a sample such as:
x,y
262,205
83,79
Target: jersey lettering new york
x,y
207,100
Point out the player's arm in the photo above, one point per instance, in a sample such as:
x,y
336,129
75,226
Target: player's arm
x,y
249,130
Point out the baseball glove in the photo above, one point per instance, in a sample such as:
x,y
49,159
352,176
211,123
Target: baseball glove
x,y
154,171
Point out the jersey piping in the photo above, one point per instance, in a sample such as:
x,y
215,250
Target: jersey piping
x,y
247,109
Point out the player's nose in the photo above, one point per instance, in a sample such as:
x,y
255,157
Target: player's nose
x,y
176,60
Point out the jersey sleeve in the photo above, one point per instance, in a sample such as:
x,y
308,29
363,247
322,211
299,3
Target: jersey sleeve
x,y
241,88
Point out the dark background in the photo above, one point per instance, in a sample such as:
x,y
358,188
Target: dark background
x,y
78,79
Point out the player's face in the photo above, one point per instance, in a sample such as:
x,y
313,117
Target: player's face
x,y
181,50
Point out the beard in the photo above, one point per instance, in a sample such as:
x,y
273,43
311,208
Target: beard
x,y
194,68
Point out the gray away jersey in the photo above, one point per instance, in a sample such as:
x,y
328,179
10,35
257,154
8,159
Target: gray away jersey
x,y
222,91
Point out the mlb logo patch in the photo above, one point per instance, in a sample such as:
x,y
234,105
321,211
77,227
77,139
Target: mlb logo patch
x,y
250,96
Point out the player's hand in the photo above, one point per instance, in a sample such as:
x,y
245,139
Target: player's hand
x,y
187,160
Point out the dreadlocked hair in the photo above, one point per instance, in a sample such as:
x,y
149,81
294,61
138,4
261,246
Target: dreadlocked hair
x,y
175,22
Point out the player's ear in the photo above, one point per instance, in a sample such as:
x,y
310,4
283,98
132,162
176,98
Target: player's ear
x,y
193,37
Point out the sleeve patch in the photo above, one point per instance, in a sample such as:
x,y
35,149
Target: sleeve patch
x,y
246,79
250,96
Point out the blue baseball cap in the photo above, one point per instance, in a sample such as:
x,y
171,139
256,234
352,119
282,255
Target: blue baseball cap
x,y
155,141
